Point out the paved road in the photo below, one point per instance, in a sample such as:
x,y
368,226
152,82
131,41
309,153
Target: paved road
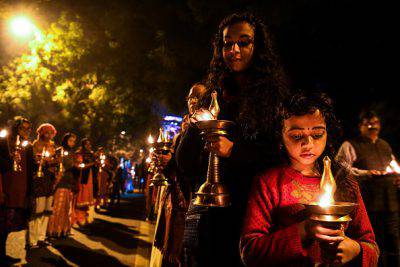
x,y
119,237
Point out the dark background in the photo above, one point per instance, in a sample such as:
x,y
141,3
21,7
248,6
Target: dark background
x,y
342,47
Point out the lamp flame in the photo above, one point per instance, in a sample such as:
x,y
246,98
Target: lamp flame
x,y
203,115
18,141
393,167
3,133
327,185
150,139
160,136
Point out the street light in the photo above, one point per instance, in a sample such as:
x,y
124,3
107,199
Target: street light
x,y
23,27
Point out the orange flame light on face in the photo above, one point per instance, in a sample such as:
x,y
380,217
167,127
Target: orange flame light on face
x,y
327,185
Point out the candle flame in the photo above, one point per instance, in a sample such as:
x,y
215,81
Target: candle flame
x,y
150,139
160,136
18,141
3,133
393,167
327,185
204,115
166,137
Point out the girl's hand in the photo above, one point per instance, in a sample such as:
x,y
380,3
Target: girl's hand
x,y
340,253
220,145
310,229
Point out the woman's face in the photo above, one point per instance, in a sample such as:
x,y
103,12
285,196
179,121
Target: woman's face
x,y
87,145
71,141
238,46
47,135
304,138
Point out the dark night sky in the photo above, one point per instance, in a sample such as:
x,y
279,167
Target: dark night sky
x,y
341,47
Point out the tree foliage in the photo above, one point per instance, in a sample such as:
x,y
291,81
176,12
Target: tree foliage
x,y
53,82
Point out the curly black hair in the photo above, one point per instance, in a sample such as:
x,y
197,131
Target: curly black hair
x,y
266,80
303,103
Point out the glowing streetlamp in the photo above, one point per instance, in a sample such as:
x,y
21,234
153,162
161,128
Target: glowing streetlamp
x,y
22,27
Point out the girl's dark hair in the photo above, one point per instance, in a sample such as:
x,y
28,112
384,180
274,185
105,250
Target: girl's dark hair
x,y
266,80
64,142
303,103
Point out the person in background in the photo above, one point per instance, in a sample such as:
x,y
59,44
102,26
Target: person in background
x,y
249,80
118,181
369,159
44,181
17,165
60,221
103,178
85,199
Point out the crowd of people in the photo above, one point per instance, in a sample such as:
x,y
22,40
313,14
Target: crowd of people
x,y
272,163
46,188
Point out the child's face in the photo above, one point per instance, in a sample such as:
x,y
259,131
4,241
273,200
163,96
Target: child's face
x,y
304,138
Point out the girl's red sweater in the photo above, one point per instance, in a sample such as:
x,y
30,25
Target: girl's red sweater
x,y
270,234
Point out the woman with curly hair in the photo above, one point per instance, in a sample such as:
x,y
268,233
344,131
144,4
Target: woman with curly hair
x,y
250,82
277,231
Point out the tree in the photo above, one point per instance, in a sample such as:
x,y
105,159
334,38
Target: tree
x,y
53,83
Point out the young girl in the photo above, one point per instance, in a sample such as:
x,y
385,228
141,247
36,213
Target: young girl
x,y
277,231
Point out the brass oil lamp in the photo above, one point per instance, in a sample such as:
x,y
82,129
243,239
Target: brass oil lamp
x,y
17,165
327,211
40,169
212,193
163,146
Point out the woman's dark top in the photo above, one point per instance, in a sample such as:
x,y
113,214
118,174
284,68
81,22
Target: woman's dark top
x,y
213,238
